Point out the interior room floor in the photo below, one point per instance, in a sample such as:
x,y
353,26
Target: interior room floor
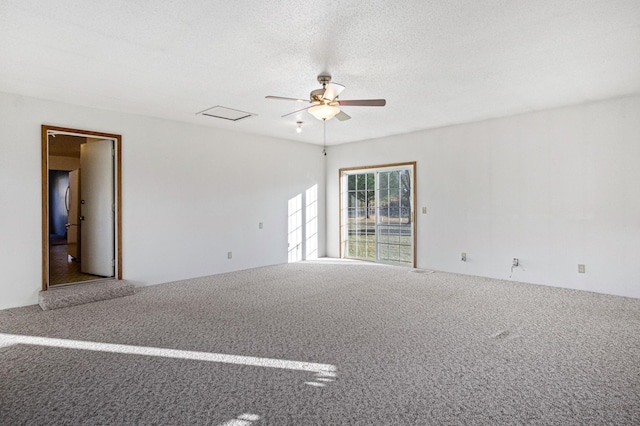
x,y
63,270
326,343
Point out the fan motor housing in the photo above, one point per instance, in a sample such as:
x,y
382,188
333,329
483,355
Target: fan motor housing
x,y
316,95
324,79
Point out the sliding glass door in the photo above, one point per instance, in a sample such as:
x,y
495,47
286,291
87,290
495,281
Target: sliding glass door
x,y
377,212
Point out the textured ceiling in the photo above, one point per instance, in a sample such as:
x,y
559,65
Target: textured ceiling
x,y
436,62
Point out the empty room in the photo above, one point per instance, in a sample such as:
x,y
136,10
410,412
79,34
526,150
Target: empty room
x,y
342,213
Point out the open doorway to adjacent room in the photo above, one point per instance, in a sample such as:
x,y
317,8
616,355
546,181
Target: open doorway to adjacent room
x,y
377,213
81,220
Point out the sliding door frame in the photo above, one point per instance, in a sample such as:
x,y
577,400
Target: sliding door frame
x,y
408,165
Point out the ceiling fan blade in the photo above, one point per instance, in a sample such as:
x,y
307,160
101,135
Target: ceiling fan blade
x,y
332,91
300,110
286,99
343,116
363,102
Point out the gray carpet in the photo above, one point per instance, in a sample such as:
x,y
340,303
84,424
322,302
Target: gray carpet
x,y
79,294
326,343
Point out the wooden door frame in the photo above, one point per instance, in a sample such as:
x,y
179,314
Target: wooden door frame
x,y
409,165
45,195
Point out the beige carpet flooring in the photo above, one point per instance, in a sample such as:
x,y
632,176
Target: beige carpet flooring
x,y
326,343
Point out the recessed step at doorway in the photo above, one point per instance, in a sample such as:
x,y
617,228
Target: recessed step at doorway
x,y
79,294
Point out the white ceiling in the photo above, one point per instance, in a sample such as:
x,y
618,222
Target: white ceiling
x,y
436,62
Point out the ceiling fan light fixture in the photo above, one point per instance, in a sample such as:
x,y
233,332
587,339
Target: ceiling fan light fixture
x,y
324,111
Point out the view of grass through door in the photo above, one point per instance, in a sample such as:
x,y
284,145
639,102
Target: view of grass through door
x,y
377,214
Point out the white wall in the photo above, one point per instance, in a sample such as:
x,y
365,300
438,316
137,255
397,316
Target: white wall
x,y
190,195
553,188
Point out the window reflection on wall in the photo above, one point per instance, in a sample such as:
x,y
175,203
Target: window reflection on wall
x,y
311,228
295,228
303,225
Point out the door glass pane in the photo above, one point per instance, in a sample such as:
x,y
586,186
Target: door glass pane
x,y
394,218
360,216
384,180
351,183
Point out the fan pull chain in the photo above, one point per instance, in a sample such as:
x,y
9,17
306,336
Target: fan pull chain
x,y
324,143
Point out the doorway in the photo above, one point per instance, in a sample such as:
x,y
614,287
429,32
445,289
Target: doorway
x,y
377,216
81,206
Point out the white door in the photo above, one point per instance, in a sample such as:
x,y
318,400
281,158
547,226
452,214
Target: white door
x,y
96,208
73,208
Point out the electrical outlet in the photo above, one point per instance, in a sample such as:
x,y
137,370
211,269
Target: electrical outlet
x,y
463,257
424,210
516,262
230,255
581,268
260,225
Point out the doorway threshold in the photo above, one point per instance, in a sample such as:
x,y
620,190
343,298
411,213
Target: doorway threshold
x,y
80,294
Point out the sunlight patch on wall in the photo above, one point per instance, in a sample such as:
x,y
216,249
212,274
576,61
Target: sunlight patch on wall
x,y
303,225
295,228
311,228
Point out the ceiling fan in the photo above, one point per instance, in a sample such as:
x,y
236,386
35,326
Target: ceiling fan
x,y
325,103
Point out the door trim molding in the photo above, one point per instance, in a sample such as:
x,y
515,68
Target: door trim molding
x,y
410,165
45,195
